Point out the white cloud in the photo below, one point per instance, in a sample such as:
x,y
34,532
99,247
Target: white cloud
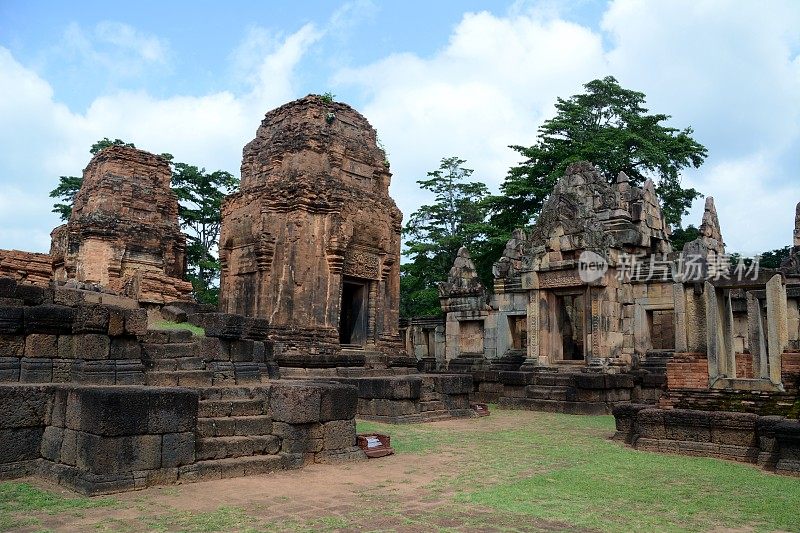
x,y
148,47
118,48
750,213
490,86
42,139
730,73
733,74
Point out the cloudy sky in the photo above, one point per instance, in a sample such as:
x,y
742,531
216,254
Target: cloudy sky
x,y
435,79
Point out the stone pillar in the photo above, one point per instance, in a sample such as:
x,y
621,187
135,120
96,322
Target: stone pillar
x,y
679,299
697,327
777,326
729,352
719,334
756,341
533,329
439,346
452,335
641,331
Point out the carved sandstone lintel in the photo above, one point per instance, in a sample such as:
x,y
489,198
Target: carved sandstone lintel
x,y
362,264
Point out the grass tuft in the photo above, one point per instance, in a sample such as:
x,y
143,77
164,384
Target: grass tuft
x,y
177,326
19,500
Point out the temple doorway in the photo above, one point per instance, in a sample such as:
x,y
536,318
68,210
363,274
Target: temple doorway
x,y
353,317
571,320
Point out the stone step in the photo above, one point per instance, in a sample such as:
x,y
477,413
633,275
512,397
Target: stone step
x,y
180,378
238,466
229,426
556,406
231,407
552,380
538,392
225,447
432,406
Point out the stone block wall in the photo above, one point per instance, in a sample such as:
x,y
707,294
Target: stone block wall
x,y
28,267
99,440
412,398
398,394
772,442
690,370
61,334
687,385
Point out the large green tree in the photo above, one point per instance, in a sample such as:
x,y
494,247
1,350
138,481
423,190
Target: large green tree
x,y
200,196
435,232
610,127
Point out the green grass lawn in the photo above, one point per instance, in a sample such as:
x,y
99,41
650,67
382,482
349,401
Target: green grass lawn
x,y
20,503
197,331
564,468
513,471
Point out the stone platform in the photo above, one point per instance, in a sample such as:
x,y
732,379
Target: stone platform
x,y
561,390
772,442
94,400
400,395
100,440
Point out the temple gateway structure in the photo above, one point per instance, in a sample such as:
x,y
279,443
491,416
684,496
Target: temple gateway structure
x,y
552,304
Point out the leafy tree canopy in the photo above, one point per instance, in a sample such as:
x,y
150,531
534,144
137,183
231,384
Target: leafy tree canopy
x,y
105,142
68,187
680,236
610,127
200,196
435,232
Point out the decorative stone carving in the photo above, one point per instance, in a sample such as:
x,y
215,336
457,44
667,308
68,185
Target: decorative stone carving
x,y
463,278
709,243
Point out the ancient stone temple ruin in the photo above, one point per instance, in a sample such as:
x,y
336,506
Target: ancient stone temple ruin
x,y
733,385
593,311
123,233
311,245
312,241
577,303
103,401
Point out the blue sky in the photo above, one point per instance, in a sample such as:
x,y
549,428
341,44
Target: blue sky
x,y
435,78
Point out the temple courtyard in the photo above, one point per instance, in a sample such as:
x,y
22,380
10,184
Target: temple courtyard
x,y
511,471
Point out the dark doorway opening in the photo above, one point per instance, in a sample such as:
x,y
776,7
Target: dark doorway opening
x,y
353,317
571,325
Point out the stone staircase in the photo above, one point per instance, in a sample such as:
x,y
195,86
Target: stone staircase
x,y
178,359
234,434
656,361
550,390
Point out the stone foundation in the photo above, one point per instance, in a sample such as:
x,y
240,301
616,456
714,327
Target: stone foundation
x,y
772,442
510,384
96,401
100,440
414,398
